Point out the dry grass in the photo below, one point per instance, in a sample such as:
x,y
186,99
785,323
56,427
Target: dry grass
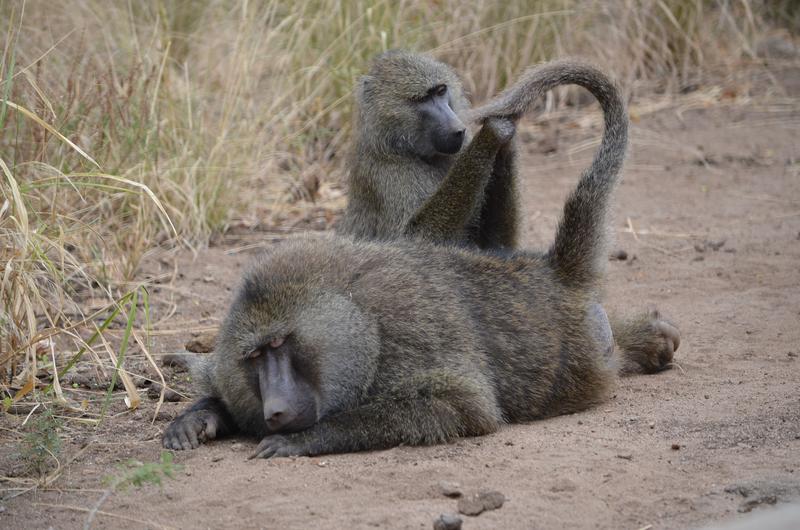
x,y
125,126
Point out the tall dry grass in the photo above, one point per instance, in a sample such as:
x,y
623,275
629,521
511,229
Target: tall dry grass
x,y
129,125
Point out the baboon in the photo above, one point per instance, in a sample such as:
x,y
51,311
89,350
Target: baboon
x,y
335,345
408,174
409,179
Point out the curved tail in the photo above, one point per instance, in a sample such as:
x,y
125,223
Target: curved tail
x,y
579,251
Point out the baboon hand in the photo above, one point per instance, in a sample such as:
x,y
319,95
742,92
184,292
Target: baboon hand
x,y
191,429
281,445
503,128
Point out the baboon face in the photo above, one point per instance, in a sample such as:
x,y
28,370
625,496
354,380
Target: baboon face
x,y
443,130
290,353
283,382
410,104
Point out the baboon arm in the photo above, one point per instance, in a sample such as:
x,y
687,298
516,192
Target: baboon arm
x,y
206,419
427,410
445,214
500,213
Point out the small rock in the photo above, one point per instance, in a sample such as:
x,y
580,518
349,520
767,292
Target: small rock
x,y
75,380
744,491
447,521
626,456
652,425
619,255
675,447
563,484
169,395
478,503
236,446
203,343
178,361
163,415
450,489
715,245
216,458
748,505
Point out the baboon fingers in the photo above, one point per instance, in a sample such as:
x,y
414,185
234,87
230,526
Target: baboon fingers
x,y
276,445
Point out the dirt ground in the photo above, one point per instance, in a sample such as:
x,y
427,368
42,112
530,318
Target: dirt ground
x,y
709,215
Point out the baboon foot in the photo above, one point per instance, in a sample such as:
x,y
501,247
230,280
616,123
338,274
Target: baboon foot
x,y
647,343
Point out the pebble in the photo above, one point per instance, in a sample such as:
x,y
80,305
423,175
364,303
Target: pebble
x,y
216,458
478,503
563,485
450,489
169,395
75,379
675,447
177,361
619,255
163,415
747,506
447,521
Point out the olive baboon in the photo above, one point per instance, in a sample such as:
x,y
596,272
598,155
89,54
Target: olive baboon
x,y
335,345
408,174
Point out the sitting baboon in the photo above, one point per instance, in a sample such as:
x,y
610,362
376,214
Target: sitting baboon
x,y
408,174
335,345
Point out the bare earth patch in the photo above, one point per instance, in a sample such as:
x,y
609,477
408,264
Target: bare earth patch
x,y
709,216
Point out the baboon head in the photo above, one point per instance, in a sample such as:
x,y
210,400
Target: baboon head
x,y
409,104
291,353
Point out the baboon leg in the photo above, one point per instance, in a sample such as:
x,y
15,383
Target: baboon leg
x,y
647,343
444,215
205,420
600,330
427,409
499,216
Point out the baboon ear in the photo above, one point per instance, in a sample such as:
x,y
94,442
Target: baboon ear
x,y
365,85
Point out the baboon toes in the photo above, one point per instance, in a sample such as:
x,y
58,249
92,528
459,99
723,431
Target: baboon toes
x,y
503,128
649,344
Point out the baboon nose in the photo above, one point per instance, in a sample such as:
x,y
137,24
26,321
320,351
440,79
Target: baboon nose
x,y
277,413
458,136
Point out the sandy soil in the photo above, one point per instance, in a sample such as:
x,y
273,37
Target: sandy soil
x,y
709,215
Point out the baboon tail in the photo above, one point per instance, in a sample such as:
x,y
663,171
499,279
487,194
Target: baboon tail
x,y
579,250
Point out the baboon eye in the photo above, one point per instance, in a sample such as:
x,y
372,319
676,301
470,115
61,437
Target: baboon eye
x,y
252,354
439,90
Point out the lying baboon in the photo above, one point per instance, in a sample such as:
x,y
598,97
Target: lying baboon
x,y
335,345
408,178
